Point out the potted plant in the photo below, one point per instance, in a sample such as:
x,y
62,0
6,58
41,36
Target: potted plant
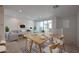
x,y
6,32
6,29
35,29
42,31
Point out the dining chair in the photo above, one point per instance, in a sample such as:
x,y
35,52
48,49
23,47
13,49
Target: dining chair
x,y
58,43
59,39
53,48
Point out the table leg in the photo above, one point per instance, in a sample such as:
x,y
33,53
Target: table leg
x,y
40,48
31,45
26,44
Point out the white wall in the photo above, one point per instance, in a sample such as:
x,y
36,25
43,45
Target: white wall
x,y
78,29
14,22
70,32
59,25
2,35
69,29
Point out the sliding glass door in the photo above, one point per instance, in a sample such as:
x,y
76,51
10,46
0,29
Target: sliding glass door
x,y
44,26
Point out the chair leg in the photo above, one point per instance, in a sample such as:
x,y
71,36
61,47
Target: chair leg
x,y
62,48
50,50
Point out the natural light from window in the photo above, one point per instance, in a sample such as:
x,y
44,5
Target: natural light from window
x,y
45,25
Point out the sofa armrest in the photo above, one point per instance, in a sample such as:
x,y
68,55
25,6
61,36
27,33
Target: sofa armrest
x,y
2,42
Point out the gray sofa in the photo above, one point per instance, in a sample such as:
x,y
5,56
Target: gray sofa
x,y
12,35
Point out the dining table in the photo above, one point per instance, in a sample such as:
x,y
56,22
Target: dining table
x,y
39,39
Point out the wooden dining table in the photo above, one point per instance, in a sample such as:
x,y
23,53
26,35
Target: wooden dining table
x,y
39,40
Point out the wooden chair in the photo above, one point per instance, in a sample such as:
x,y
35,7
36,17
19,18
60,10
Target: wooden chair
x,y
57,43
61,37
52,47
28,41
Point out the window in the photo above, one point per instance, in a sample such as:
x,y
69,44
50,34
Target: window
x,y
50,24
44,25
41,25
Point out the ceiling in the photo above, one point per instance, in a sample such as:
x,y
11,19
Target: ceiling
x,y
36,12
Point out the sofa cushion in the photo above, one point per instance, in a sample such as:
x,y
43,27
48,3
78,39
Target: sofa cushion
x,y
2,48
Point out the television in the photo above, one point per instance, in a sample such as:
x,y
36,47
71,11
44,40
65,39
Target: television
x,y
22,26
